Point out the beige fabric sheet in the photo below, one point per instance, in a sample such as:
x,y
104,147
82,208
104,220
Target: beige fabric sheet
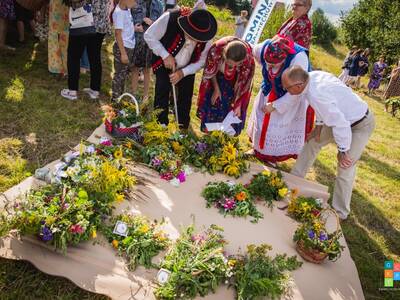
x,y
96,267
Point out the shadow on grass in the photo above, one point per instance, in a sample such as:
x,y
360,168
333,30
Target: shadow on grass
x,y
329,48
365,219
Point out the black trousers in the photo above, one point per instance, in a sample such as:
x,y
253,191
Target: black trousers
x,y
184,91
76,46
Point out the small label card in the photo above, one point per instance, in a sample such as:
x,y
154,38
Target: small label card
x,y
163,276
121,228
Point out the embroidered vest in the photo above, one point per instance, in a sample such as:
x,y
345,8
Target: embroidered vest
x,y
266,85
173,41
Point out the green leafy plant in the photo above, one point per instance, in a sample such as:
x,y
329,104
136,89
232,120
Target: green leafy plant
x,y
268,186
230,198
197,265
258,275
144,240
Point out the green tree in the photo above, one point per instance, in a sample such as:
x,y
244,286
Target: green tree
x,y
374,24
275,21
324,32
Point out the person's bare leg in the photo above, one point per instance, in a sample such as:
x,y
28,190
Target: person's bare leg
x,y
147,78
21,31
135,79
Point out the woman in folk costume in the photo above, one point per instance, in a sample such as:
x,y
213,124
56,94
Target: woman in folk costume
x,y
278,124
226,83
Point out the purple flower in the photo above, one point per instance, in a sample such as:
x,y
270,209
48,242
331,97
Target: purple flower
x,y
200,147
311,234
181,176
46,234
65,206
156,162
198,238
323,237
229,204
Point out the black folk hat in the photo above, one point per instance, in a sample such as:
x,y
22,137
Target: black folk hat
x,y
199,25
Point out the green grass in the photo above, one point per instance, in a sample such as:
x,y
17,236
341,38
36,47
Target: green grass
x,y
38,126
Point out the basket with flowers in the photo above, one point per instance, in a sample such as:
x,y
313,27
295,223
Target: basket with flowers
x,y
141,242
122,119
268,186
257,275
57,215
314,243
230,198
217,152
196,264
304,208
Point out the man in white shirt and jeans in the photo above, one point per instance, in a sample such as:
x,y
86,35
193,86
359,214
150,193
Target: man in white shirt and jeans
x,y
342,117
180,45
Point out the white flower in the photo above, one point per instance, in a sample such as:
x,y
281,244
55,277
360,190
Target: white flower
x,y
122,112
188,170
175,182
90,149
319,201
230,183
226,281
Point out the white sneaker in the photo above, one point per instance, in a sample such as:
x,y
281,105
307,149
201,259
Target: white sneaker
x,y
69,94
92,94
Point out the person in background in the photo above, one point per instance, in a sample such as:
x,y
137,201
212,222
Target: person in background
x,y
24,15
241,23
226,83
298,27
7,13
145,13
354,68
42,22
58,37
180,43
377,75
393,88
88,25
200,4
277,127
346,65
344,119
364,65
124,45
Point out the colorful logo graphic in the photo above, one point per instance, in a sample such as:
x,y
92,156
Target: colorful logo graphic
x,y
391,273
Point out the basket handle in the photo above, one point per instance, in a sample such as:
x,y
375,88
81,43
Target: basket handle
x,y
132,98
336,217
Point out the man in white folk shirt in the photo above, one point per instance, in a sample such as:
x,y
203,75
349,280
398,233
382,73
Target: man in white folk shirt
x,y
341,117
180,45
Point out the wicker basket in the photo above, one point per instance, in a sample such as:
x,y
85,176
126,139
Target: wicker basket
x,y
313,255
32,4
132,131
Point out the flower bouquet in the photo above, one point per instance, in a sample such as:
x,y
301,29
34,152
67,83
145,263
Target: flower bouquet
x,y
122,119
268,186
104,179
304,208
196,264
314,243
58,215
230,198
217,152
142,242
258,275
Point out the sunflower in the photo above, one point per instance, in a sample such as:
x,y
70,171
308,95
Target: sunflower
x,y
241,196
118,153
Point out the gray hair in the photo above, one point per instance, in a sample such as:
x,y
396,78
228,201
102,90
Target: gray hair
x,y
297,74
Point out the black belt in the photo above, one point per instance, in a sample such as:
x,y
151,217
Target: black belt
x,y
362,119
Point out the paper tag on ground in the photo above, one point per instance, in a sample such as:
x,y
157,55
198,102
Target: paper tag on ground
x,y
121,228
163,276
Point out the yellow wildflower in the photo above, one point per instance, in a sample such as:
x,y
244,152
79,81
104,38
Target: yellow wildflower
x,y
118,153
128,145
144,228
177,147
232,262
50,220
213,160
115,244
266,173
119,198
94,234
232,170
282,192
